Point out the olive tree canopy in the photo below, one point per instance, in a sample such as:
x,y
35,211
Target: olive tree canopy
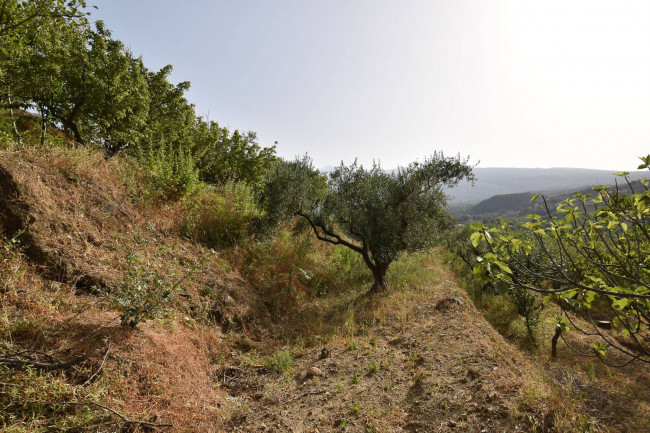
x,y
371,211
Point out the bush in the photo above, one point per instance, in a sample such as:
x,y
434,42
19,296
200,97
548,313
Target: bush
x,y
281,361
171,173
143,293
223,216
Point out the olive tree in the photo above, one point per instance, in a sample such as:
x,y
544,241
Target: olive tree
x,y
595,253
373,212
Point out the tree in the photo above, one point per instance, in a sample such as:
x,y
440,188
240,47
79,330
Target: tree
x,y
82,80
375,213
20,23
595,253
17,14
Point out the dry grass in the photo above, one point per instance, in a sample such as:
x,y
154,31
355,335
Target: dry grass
x,y
420,357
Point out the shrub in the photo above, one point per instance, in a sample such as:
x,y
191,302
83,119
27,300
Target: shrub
x,y
223,216
170,173
143,293
281,361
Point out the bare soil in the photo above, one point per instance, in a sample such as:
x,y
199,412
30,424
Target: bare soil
x,y
446,371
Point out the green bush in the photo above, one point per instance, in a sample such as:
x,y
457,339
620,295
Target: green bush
x,y
143,293
223,216
281,361
171,173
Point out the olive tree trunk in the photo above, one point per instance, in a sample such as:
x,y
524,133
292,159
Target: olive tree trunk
x,y
379,274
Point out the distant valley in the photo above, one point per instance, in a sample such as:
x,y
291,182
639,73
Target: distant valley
x,y
506,192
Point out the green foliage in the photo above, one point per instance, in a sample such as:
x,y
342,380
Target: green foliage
x,y
42,402
529,306
373,366
223,216
80,79
224,158
594,253
281,361
372,212
143,293
170,173
292,186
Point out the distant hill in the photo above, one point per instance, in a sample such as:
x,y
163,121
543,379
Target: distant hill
x,y
516,206
496,181
499,181
502,203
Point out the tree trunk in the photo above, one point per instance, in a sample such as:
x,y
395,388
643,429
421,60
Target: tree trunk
x,y
379,273
558,332
71,126
43,125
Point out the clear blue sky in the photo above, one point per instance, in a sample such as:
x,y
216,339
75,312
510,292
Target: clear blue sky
x,y
512,83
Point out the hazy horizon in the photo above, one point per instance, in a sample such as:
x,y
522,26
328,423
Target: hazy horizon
x,y
510,83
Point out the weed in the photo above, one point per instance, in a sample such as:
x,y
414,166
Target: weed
x,y
143,293
373,367
281,361
354,408
352,344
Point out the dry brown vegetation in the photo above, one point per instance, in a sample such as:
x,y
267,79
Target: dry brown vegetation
x,y
238,347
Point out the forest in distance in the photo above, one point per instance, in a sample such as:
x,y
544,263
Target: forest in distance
x,y
162,272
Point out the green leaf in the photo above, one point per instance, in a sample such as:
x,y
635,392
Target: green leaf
x,y
535,197
503,266
599,347
501,287
621,303
476,226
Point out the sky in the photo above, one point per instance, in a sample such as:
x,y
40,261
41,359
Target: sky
x,y
510,83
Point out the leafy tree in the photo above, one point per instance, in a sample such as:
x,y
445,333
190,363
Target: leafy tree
x,y
170,117
20,22
17,14
373,212
594,255
118,98
82,80
231,158
87,83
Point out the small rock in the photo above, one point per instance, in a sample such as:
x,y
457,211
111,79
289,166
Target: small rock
x,y
228,300
313,372
324,353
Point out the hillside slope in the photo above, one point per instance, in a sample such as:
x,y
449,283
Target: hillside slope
x,y
492,181
420,358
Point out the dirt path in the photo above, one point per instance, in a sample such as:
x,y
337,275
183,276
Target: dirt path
x,y
444,370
